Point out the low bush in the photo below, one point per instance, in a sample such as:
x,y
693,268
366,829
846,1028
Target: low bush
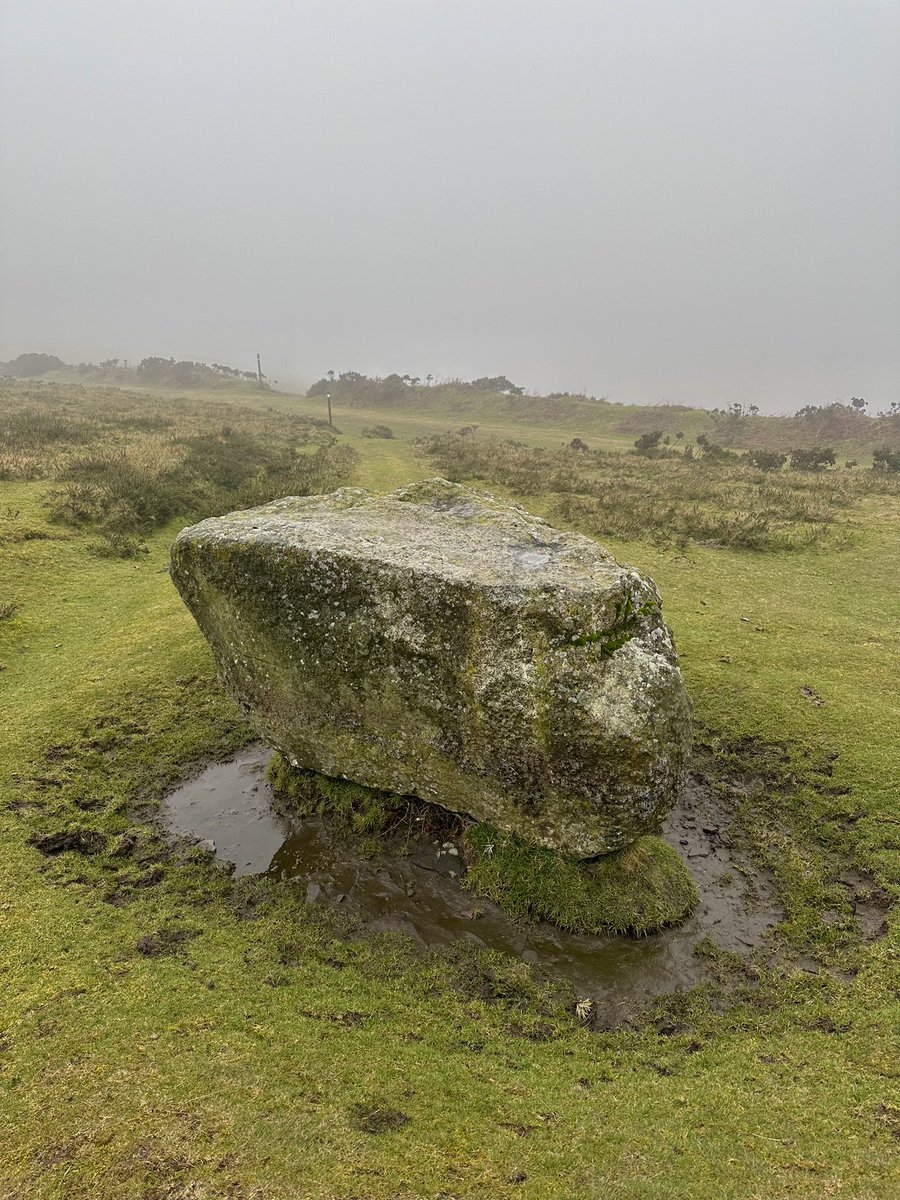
x,y
885,459
813,458
766,460
648,443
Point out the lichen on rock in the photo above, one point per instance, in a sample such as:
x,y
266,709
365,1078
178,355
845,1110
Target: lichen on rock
x,y
444,643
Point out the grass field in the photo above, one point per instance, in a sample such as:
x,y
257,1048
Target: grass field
x,y
169,1033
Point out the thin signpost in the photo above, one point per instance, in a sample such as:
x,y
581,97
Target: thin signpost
x,y
328,398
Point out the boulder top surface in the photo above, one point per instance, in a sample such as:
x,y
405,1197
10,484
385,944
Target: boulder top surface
x,y
434,527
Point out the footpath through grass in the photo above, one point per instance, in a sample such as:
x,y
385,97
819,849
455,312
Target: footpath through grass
x,y
168,1033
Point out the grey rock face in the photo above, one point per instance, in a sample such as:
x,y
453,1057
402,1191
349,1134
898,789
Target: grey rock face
x,y
444,643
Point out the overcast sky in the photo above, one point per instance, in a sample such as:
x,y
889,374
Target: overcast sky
x,y
684,200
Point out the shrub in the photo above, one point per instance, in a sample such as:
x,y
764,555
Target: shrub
x,y
885,459
766,460
814,458
647,443
712,451
377,431
28,365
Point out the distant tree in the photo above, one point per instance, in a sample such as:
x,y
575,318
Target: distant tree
x,y
679,436
648,443
886,459
28,365
766,460
814,458
858,403
577,444
497,383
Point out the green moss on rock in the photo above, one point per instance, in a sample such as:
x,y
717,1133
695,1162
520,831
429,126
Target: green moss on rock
x,y
638,890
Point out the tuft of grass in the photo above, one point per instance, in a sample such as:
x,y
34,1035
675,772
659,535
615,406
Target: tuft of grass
x,y
365,813
376,1118
638,890
359,809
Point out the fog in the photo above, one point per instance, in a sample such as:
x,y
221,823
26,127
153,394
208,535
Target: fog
x,y
694,202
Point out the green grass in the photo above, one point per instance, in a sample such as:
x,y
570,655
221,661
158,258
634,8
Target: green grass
x,y
245,1053
638,890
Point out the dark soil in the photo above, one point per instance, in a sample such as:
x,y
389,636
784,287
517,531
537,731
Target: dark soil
x,y
76,841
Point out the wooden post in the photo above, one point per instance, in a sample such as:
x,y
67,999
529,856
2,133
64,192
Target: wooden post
x,y
259,374
328,398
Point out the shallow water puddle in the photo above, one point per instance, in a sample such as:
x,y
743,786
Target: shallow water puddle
x,y
230,807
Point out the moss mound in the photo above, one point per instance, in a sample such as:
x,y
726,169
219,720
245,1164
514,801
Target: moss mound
x,y
638,890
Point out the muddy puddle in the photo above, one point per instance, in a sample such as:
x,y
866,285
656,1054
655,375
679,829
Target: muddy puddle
x,y
415,889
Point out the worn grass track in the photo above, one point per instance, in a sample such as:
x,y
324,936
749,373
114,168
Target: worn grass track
x,y
234,1054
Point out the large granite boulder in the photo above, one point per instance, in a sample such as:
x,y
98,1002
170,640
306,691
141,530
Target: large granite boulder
x,y
444,643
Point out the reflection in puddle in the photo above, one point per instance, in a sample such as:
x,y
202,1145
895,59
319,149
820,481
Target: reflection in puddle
x,y
416,889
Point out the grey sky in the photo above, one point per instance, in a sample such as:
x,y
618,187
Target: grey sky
x,y
690,200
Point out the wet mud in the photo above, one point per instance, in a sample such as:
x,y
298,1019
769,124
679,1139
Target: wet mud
x,y
415,887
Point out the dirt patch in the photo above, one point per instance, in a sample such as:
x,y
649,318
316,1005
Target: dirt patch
x,y
163,941
376,1119
869,903
75,841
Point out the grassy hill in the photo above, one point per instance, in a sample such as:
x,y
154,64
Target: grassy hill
x,y
168,1033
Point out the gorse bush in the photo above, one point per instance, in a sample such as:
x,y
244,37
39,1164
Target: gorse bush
x,y
648,443
722,501
813,458
766,460
886,459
